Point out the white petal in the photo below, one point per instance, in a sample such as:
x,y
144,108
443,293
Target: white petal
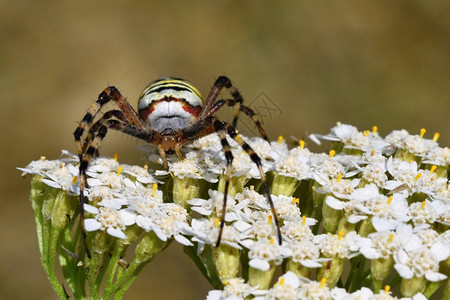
x,y
182,240
128,216
201,210
435,276
116,232
384,224
94,182
144,222
404,271
335,203
90,209
241,226
247,243
419,296
259,264
51,183
291,279
197,201
369,253
309,263
355,219
440,251
91,224
129,183
214,295
159,233
314,138
210,177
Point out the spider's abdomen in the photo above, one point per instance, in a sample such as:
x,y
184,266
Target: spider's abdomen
x,y
170,103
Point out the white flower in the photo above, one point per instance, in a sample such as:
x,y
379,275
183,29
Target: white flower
x,y
340,188
375,173
296,230
295,164
109,219
388,212
165,219
413,258
438,156
214,206
423,213
285,288
403,173
307,253
189,167
326,168
234,289
337,245
206,231
286,207
421,262
141,174
379,244
314,290
262,252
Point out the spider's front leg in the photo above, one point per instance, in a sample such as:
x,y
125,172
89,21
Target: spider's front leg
x,y
219,84
212,106
126,117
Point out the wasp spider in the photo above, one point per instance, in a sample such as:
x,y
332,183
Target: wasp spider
x,y
170,114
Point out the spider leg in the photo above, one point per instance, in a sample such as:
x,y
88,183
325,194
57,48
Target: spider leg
x,y
94,128
210,124
220,83
257,160
111,93
218,127
91,148
245,109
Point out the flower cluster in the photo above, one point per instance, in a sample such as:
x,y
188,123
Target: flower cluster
x,y
379,207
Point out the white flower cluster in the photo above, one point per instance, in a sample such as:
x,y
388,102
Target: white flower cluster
x,y
119,196
369,198
290,286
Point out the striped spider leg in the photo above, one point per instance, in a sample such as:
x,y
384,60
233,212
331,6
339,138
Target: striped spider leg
x,y
170,114
96,133
212,124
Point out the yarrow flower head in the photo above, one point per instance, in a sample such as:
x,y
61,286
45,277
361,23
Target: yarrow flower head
x,y
380,203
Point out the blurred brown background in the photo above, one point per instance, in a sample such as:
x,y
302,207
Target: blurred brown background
x,y
307,64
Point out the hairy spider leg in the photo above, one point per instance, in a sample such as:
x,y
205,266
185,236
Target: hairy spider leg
x,y
94,128
245,109
220,83
99,135
109,94
211,124
257,160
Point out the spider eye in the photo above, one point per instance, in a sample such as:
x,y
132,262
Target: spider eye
x,y
168,131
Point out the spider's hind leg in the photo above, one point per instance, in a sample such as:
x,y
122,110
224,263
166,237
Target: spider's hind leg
x,y
257,160
220,127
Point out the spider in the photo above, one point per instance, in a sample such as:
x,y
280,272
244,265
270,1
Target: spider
x,y
170,114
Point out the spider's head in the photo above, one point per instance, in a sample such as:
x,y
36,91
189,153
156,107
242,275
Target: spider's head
x,y
169,103
167,139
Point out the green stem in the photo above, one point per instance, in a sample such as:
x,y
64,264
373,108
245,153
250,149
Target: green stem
x,y
101,272
446,292
431,288
92,269
49,264
121,290
112,267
